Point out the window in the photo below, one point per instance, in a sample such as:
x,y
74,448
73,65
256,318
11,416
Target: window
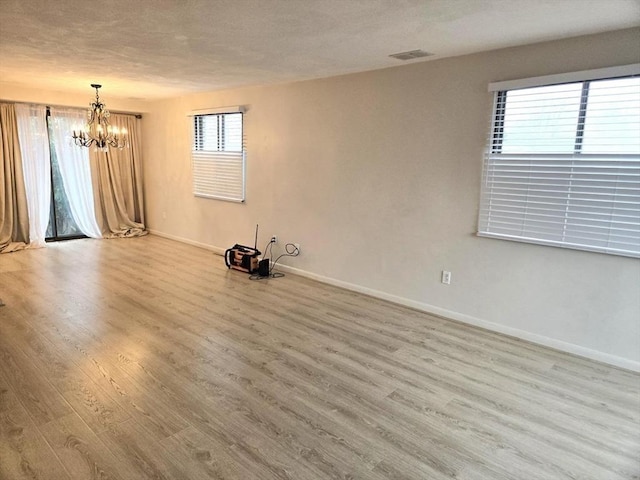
x,y
218,155
563,164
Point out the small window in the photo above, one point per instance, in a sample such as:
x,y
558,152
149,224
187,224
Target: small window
x,y
218,156
563,166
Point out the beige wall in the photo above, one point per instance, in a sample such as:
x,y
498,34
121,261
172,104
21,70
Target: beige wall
x,y
18,93
377,176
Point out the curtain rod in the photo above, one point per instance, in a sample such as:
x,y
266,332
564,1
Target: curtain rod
x,y
120,112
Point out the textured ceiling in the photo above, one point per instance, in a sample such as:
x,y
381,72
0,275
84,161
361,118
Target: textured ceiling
x,y
159,48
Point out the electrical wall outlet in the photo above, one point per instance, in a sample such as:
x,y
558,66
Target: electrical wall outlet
x,y
446,277
274,239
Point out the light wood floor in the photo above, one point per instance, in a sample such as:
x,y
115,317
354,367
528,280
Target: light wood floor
x,y
146,358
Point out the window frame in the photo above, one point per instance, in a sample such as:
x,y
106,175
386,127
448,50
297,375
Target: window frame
x,y
494,151
206,164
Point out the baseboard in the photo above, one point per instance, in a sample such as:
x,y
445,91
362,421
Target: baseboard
x,y
468,319
442,312
217,250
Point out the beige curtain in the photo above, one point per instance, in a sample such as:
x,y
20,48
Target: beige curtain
x,y
14,214
117,181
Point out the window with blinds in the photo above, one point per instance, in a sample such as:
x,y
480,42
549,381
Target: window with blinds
x,y
563,166
218,156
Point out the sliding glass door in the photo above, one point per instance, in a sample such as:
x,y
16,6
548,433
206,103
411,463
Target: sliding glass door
x,y
61,226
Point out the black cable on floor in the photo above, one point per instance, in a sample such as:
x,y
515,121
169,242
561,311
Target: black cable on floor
x,y
291,251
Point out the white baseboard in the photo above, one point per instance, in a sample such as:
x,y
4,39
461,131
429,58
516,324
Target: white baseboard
x,y
218,250
441,312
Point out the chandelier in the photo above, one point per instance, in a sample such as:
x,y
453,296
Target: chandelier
x,y
98,131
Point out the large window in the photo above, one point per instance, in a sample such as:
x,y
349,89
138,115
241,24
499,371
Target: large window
x,y
218,155
563,165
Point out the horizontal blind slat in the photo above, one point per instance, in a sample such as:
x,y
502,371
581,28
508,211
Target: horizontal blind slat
x,y
564,172
218,156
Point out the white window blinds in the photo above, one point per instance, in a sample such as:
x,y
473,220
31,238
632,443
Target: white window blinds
x,y
563,166
218,156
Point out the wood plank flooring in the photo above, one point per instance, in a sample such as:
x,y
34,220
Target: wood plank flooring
x,y
145,358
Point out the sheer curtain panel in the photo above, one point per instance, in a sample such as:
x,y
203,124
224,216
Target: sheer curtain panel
x,y
117,182
14,212
34,146
74,167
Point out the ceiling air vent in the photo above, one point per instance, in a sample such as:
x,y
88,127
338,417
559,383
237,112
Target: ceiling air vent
x,y
411,55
